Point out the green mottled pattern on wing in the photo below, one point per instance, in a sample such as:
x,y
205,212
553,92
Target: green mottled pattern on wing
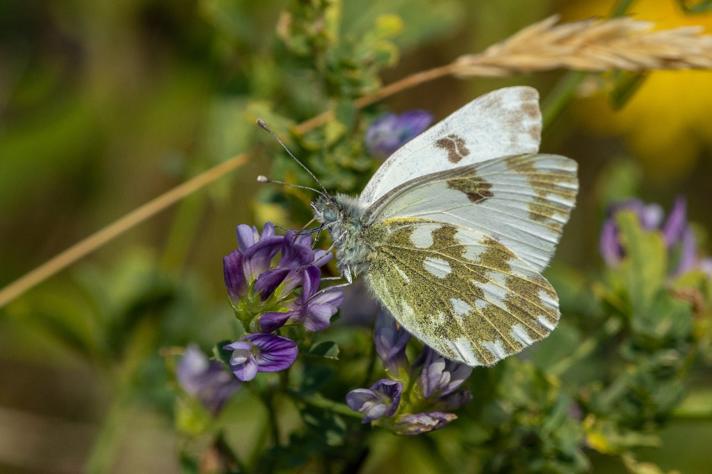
x,y
458,290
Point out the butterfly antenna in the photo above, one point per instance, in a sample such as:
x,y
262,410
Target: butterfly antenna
x,y
265,180
305,226
263,125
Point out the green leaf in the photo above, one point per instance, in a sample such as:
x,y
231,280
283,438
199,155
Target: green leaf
x,y
695,7
645,265
625,87
221,354
325,349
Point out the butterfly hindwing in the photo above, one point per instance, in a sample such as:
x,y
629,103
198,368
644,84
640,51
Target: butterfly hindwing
x,y
522,202
504,122
458,290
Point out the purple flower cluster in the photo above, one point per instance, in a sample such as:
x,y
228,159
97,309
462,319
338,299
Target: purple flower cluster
x,y
250,267
274,280
390,131
437,387
676,232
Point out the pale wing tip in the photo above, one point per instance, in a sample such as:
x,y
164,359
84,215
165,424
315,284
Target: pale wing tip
x,y
525,93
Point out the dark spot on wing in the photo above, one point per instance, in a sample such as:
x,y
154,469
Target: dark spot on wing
x,y
455,147
475,188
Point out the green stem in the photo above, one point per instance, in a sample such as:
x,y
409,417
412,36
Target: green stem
x,y
268,400
318,401
560,97
113,427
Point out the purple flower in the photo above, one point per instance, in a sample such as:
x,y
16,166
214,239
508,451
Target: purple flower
x,y
297,256
251,265
419,423
251,259
205,380
389,132
390,340
261,353
380,400
312,308
441,377
676,224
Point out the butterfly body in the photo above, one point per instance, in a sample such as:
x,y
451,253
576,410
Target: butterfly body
x,y
343,217
453,231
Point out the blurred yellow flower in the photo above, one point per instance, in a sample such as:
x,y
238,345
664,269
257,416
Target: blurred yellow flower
x,y
667,122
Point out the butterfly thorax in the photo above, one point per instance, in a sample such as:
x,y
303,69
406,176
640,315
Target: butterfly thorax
x,y
342,216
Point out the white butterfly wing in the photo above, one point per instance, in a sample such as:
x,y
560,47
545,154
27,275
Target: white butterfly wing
x,y
522,202
504,122
457,255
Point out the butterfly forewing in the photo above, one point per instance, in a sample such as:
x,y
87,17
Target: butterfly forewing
x,y
522,202
504,122
459,290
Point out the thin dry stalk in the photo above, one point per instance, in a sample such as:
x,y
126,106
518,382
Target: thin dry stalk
x,y
595,45
592,45
118,227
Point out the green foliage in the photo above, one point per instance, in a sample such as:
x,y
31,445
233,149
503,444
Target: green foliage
x,y
619,369
532,424
695,6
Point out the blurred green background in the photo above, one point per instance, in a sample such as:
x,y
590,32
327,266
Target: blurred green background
x,y
105,104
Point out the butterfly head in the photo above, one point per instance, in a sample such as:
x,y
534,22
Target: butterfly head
x,y
337,210
327,210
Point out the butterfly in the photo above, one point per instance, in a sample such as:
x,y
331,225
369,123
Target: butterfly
x,y
453,230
